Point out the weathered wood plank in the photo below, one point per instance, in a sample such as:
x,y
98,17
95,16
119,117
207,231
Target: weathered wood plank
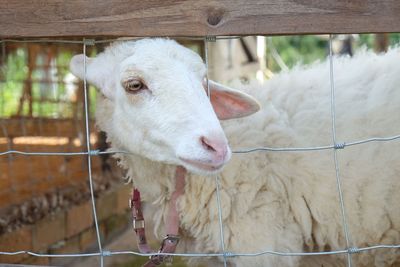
x,y
17,127
60,18
18,265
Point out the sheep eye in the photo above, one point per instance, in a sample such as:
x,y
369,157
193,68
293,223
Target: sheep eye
x,y
134,86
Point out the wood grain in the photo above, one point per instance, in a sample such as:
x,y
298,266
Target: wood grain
x,y
60,18
18,127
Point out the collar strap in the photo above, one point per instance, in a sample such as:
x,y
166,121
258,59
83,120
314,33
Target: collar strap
x,y
171,240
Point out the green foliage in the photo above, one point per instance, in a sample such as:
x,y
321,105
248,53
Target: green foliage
x,y
295,50
394,39
52,100
10,90
56,97
366,40
306,49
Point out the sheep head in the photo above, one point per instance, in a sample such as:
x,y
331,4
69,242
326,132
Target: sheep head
x,y
158,104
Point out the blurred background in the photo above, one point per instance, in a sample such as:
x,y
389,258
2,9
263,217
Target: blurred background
x,y
45,200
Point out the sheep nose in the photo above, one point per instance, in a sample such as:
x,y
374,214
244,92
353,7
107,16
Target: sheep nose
x,y
218,147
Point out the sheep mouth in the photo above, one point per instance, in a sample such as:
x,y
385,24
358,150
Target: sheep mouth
x,y
202,165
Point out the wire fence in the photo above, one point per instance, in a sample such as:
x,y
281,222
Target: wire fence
x,y
336,145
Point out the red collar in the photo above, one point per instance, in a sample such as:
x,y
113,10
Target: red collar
x,y
171,239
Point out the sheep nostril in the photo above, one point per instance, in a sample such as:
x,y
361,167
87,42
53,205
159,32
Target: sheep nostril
x,y
207,144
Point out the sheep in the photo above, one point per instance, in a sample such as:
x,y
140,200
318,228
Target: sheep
x,y
153,103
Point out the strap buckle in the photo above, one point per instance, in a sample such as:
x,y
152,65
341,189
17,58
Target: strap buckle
x,y
168,245
130,203
169,240
138,224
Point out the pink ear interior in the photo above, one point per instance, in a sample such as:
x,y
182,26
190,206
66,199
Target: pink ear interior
x,y
230,104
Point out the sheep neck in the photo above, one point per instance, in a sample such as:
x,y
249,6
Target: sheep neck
x,y
157,183
171,239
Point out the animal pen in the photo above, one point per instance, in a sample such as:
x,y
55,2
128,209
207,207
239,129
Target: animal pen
x,y
63,142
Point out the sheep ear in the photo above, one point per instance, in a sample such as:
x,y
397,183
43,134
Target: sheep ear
x,y
76,65
96,73
229,103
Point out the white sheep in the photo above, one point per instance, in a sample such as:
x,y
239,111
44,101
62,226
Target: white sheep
x,y
154,105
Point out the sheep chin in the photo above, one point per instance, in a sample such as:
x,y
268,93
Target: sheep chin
x,y
202,169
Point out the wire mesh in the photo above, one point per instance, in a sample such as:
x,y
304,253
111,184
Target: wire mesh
x,y
349,250
335,157
89,156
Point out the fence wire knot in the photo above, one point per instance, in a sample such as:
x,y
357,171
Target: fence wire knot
x,y
106,253
211,38
228,254
339,145
89,41
353,250
94,152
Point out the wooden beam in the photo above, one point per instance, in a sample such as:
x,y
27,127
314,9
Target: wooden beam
x,y
60,18
18,127
18,265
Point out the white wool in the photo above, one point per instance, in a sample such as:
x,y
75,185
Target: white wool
x,y
288,201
